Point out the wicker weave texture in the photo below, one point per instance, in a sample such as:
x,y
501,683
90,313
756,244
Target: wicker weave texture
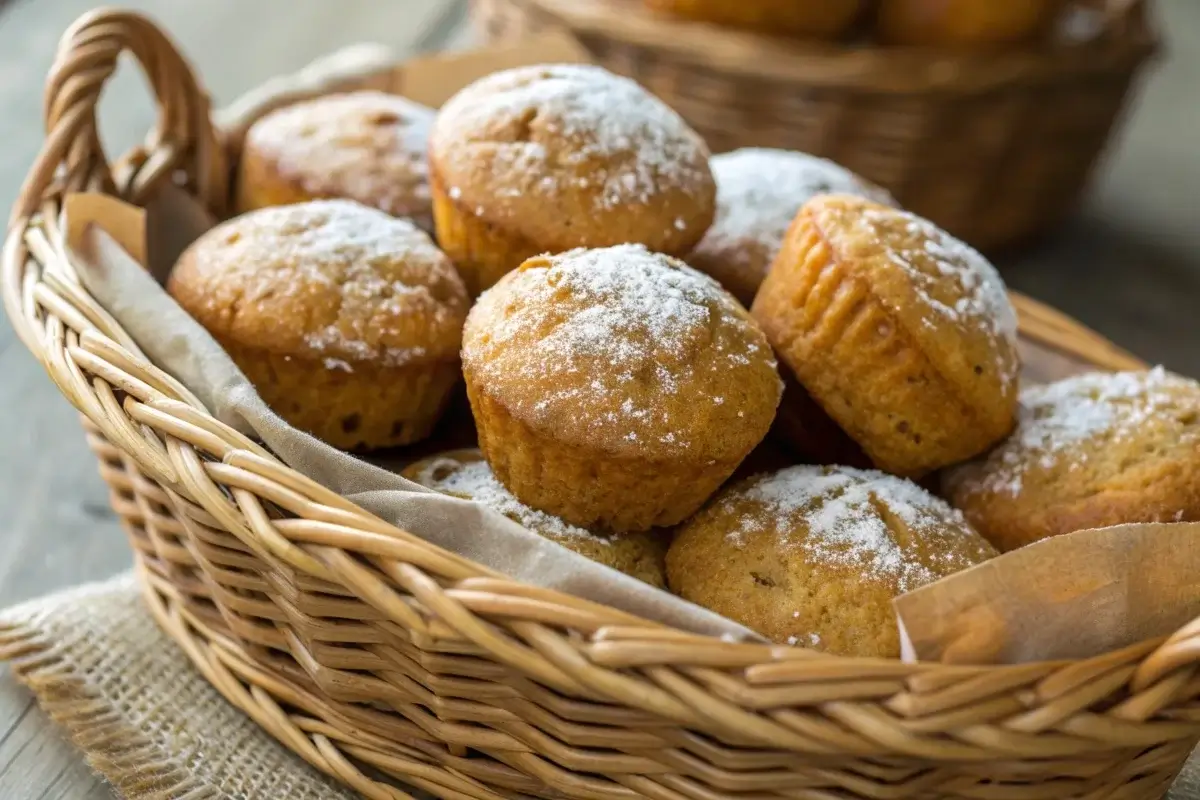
x,y
371,653
995,150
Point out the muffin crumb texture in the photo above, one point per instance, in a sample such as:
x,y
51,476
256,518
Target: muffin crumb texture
x,y
542,126
366,146
1090,451
607,346
953,281
813,556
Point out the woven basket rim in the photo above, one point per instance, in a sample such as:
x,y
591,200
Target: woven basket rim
x,y
93,360
1129,41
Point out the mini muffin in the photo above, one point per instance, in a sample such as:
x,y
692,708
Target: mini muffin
x,y
813,556
545,159
365,146
824,19
464,473
347,321
616,388
759,192
969,23
904,335
1091,451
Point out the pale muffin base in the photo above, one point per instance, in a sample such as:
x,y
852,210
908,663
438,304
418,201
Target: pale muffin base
x,y
368,408
483,253
586,487
861,366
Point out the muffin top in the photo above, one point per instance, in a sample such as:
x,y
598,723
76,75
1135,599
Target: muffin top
x,y
464,473
329,280
759,192
945,294
814,555
366,146
625,351
1093,450
613,162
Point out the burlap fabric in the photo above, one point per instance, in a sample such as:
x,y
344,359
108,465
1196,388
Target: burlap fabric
x,y
168,734
142,715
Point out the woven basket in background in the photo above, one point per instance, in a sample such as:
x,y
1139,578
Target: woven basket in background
x,y
995,148
374,654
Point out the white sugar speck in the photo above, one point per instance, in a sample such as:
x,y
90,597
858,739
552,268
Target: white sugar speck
x,y
833,514
621,332
474,480
759,192
1055,419
608,119
934,262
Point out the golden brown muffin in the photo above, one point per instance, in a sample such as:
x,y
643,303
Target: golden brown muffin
x,y
464,473
972,23
813,556
346,320
365,146
759,193
1091,451
824,19
616,388
549,158
904,335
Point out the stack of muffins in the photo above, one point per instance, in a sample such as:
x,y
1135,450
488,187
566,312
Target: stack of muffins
x,y
971,24
747,429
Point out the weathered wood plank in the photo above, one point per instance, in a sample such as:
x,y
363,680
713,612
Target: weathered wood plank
x,y
35,760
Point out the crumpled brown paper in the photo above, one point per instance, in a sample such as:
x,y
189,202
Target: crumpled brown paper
x,y
1068,597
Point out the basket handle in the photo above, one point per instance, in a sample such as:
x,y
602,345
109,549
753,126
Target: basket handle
x,y
183,142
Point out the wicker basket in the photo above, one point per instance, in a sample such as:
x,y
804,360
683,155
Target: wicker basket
x,y
995,149
371,653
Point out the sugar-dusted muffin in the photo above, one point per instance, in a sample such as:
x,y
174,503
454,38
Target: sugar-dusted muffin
x,y
347,321
759,192
904,335
366,146
464,473
825,19
813,556
1091,451
966,23
616,388
545,159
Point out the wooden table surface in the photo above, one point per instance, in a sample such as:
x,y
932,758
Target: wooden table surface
x,y
1128,265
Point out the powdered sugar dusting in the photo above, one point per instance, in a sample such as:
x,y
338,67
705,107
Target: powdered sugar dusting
x,y
368,146
930,257
1055,420
849,517
563,121
354,283
474,480
613,333
760,191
